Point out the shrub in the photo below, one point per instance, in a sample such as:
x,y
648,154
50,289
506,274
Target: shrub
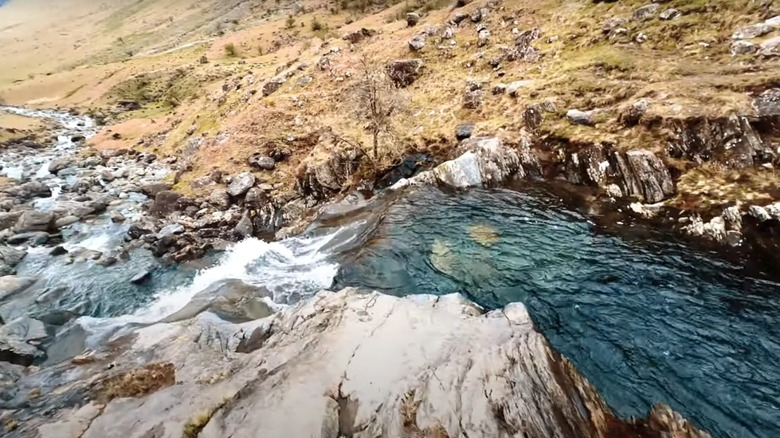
x,y
230,50
290,22
317,25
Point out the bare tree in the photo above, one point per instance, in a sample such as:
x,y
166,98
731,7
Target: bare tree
x,y
378,100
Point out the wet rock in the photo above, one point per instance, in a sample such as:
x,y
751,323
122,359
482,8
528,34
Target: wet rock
x,y
577,117
262,162
219,198
231,300
65,221
28,190
8,220
59,163
152,189
646,12
165,203
669,14
32,220
141,277
412,18
19,341
9,258
644,175
472,99
32,238
241,183
11,285
417,43
404,72
463,131
58,251
244,227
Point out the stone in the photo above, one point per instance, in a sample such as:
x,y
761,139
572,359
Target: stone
x,y
170,230
458,18
612,24
669,14
32,238
351,362
404,72
11,285
741,47
483,37
9,258
272,85
514,87
241,183
771,47
760,213
478,15
152,189
9,219
203,59
646,12
464,131
753,31
499,89
632,114
255,198
359,35
644,175
447,33
141,277
262,162
116,217
58,164
768,102
65,221
577,117
32,220
19,339
304,81
412,18
417,43
219,198
244,228
165,203
324,173
58,251
231,300
28,190
472,99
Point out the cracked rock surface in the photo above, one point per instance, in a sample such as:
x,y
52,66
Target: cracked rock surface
x,y
347,364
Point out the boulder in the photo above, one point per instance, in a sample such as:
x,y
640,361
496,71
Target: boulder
x,y
463,131
483,37
141,277
9,219
753,31
577,117
404,72
359,35
241,183
231,300
417,43
19,341
219,198
326,170
28,190
255,198
11,285
59,163
472,99
262,162
32,220
165,203
646,12
768,102
669,14
741,47
152,189
244,227
9,258
412,18
644,175
771,47
513,88
272,85
32,238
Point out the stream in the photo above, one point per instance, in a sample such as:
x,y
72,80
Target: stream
x,y
645,321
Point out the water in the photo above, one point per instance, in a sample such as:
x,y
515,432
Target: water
x,y
645,322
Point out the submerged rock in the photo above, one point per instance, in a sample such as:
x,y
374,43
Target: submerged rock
x,y
350,364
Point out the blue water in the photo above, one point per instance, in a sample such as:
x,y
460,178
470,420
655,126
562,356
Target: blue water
x,y
646,321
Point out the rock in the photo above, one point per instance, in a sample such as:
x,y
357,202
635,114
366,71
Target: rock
x,y
9,219
644,175
743,48
478,15
255,198
359,35
165,203
483,37
107,176
219,198
669,14
32,238
128,105
231,300
458,18
447,33
463,131
733,216
766,103
58,251
326,170
32,220
417,43
244,227
304,81
412,18
271,86
170,230
324,63
499,89
116,217
771,47
203,59
11,285
352,363
141,277
19,340
753,31
759,213
59,163
472,99
152,189
9,258
28,190
513,88
262,162
241,183
632,115
404,72
612,24
577,117
65,221
646,12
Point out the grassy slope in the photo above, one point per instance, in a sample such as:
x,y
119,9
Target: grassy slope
x,y
683,68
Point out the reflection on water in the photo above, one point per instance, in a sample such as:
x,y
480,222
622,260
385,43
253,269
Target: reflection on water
x,y
645,324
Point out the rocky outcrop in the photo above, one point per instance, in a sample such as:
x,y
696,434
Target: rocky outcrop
x,y
339,364
643,175
327,169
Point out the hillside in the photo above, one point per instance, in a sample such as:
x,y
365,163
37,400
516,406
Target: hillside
x,y
215,83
